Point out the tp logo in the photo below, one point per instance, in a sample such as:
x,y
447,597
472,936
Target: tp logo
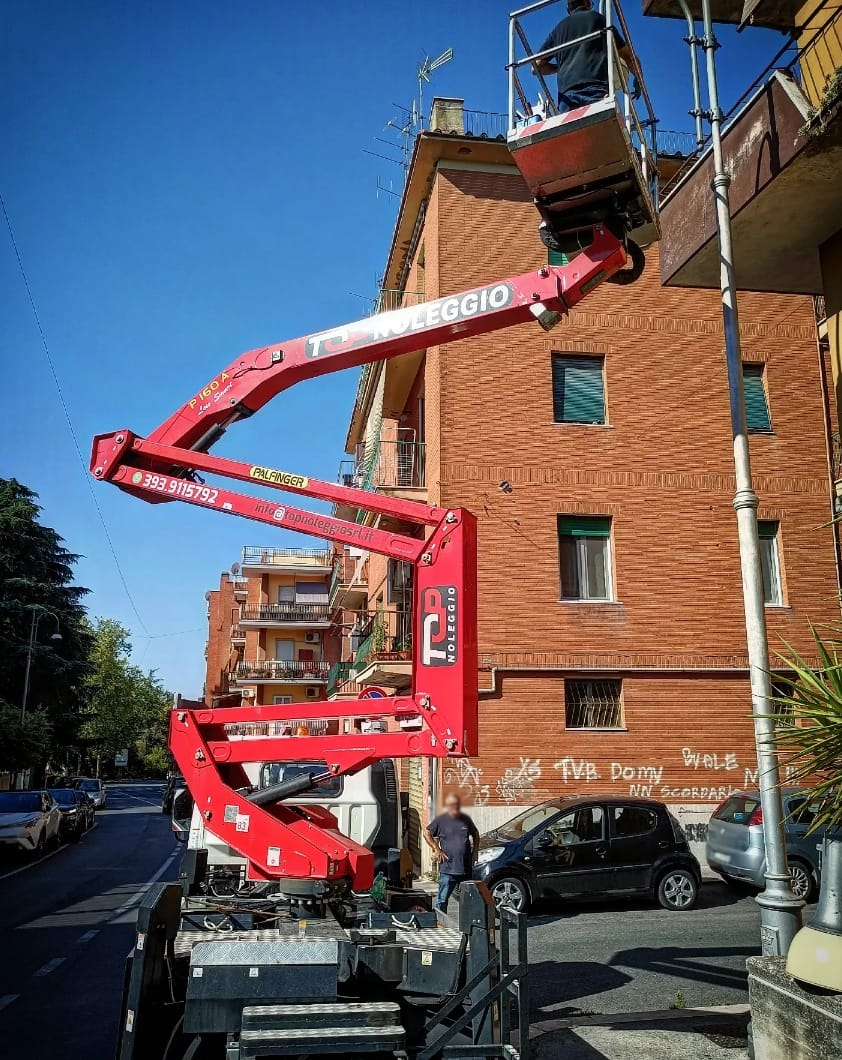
x,y
439,618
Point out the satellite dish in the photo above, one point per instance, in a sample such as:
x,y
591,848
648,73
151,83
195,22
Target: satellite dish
x,y
235,568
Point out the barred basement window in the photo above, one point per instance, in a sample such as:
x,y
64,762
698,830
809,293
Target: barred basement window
x,y
593,704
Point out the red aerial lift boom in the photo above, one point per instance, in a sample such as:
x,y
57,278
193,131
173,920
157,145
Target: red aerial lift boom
x,y
439,716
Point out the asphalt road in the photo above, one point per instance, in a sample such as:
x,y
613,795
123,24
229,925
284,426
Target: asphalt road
x,y
67,923
634,956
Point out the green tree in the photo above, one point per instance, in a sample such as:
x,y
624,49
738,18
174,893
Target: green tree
x,y
127,707
808,726
36,573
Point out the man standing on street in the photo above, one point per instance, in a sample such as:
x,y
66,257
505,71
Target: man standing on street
x,y
582,66
454,840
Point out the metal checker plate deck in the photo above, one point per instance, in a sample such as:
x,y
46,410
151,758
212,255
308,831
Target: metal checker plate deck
x,y
430,938
322,931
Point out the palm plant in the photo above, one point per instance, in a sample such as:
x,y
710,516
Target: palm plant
x,y
808,725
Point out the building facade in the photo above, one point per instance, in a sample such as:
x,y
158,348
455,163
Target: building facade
x,y
268,628
597,459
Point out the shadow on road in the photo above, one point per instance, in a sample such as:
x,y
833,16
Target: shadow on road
x,y
703,965
555,983
711,896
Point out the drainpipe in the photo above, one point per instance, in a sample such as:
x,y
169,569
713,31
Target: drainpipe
x,y
780,910
691,39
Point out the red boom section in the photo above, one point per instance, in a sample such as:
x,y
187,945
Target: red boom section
x,y
439,717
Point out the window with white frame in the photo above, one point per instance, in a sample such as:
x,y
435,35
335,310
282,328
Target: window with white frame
x,y
770,561
584,553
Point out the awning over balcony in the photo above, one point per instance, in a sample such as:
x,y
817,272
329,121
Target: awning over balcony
x,y
785,200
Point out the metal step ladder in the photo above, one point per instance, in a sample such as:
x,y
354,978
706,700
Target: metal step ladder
x,y
354,1029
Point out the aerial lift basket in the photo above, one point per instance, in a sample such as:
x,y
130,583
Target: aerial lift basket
x,y
594,164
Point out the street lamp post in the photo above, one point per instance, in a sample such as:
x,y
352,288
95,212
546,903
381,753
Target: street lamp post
x,y
37,614
780,910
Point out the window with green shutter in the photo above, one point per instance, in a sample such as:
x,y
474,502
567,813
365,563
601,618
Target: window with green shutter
x,y
757,407
584,556
578,389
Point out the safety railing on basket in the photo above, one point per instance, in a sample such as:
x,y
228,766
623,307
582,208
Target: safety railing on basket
x,y
638,115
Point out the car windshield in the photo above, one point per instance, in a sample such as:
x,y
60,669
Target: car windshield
x,y
529,819
89,785
64,796
20,802
276,772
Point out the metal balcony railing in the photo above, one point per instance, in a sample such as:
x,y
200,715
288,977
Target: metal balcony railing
x,y
836,448
241,585
255,555
819,308
283,670
347,570
237,633
397,460
337,675
382,635
284,613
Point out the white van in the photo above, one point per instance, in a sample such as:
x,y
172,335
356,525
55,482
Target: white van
x,y
366,805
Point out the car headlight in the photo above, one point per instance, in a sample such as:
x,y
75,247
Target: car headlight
x,y
489,854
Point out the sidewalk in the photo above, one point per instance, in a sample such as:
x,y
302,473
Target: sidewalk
x,y
673,1034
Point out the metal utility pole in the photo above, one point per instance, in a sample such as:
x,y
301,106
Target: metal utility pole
x,y
37,614
780,910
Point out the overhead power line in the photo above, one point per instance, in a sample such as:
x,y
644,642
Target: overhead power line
x,y
66,411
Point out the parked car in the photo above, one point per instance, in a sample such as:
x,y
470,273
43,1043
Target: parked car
x,y
174,782
591,847
734,845
93,787
77,812
29,821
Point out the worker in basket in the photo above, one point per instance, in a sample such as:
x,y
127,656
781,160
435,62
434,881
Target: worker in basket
x,y
582,67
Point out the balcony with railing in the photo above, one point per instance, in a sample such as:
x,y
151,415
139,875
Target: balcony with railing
x,y
382,645
240,586
238,635
282,672
782,146
257,616
260,560
395,463
349,581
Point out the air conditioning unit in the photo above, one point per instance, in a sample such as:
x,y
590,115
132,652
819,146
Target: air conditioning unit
x,y
312,638
313,692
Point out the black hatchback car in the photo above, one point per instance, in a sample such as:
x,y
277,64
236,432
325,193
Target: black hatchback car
x,y
589,847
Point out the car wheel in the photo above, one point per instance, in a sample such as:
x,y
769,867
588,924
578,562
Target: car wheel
x,y
801,880
678,889
511,893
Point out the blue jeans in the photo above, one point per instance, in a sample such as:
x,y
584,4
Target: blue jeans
x,y
580,96
447,885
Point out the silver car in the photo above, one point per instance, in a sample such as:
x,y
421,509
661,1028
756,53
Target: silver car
x,y
735,841
29,821
93,788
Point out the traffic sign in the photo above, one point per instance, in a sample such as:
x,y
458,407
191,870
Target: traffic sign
x,y
372,693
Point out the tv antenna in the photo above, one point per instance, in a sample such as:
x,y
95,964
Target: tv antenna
x,y
426,68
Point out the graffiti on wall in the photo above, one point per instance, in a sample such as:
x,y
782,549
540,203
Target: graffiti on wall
x,y
468,778
517,784
574,769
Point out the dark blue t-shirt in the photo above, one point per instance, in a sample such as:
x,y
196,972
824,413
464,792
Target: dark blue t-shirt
x,y
585,63
454,836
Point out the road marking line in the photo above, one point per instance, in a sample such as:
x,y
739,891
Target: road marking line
x,y
88,935
137,897
50,966
7,999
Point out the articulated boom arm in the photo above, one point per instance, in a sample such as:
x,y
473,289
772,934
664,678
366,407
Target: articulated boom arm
x,y
439,716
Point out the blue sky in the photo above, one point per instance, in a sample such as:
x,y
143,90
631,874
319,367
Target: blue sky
x,y
187,181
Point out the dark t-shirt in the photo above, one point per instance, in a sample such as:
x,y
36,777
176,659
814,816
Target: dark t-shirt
x,y
454,836
585,63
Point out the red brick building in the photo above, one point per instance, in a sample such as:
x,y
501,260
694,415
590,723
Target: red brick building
x,y
598,461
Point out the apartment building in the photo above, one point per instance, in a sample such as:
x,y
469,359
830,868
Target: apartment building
x,y
268,626
597,459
